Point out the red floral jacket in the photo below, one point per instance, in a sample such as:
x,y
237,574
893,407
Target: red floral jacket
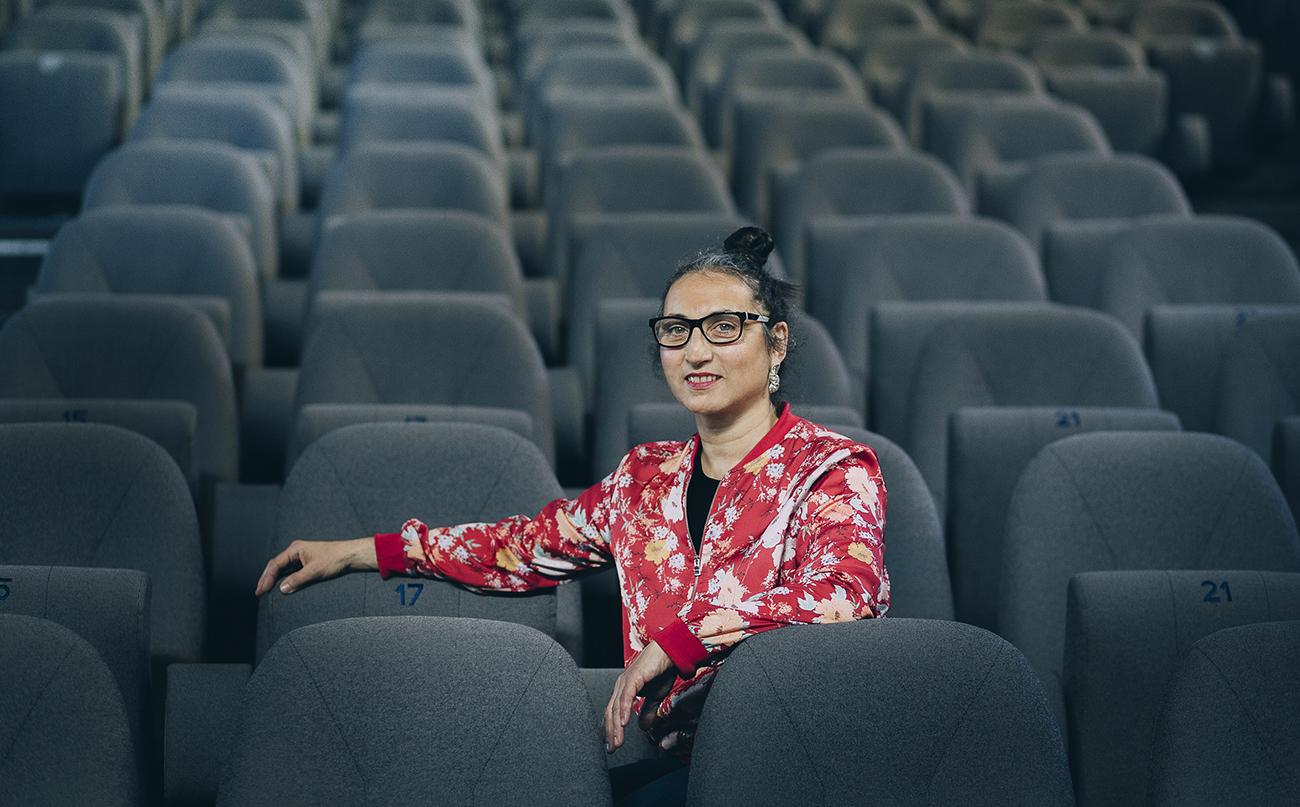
x,y
794,536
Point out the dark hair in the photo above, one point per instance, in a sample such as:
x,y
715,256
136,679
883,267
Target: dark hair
x,y
744,255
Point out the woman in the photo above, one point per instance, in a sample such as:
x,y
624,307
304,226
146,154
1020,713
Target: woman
x,y
761,520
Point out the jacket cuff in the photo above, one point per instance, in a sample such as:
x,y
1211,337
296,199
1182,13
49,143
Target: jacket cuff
x,y
390,553
686,652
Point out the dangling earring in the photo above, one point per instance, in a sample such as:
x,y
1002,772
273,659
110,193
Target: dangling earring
x,y
773,380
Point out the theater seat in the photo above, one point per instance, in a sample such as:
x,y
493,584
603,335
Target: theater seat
x,y
951,711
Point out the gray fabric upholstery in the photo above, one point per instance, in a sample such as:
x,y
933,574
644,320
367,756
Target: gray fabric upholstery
x,y
594,72
1260,380
452,350
246,62
895,54
109,608
315,420
950,711
773,138
973,76
853,28
151,249
1132,500
778,76
410,65
215,176
630,179
414,176
689,21
1206,259
1018,26
987,142
858,183
417,250
1234,697
400,115
630,255
1186,346
929,360
200,729
855,264
600,688
1286,460
1106,73
173,425
574,123
535,44
60,710
500,705
245,119
713,52
124,348
628,373
988,449
97,496
1062,191
370,478
97,30
1127,634
63,112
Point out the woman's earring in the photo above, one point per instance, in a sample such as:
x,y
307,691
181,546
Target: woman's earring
x,y
773,380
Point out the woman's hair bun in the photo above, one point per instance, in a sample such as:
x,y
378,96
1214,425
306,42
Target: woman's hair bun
x,y
751,243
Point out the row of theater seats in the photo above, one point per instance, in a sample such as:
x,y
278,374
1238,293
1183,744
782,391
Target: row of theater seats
x,y
1122,551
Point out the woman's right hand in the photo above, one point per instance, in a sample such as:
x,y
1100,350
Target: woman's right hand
x,y
318,560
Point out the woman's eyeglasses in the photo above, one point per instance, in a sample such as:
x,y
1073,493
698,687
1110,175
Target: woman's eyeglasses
x,y
720,327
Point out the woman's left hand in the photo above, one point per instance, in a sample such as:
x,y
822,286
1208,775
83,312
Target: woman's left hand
x,y
651,671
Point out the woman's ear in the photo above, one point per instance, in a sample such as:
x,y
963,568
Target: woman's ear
x,y
780,341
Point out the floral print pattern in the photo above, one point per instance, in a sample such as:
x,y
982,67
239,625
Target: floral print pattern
x,y
795,536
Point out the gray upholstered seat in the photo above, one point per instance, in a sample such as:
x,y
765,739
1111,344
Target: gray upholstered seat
x,y
370,478
1207,259
858,183
88,495
950,711
853,28
1127,634
930,359
86,30
772,140
1017,26
1251,734
417,250
593,73
716,48
86,349
501,704
970,76
60,710
687,22
407,353
45,153
1260,380
109,608
1061,194
245,119
856,264
988,142
617,180
404,64
414,176
774,76
1106,73
384,114
894,54
988,449
216,176
185,252
1132,500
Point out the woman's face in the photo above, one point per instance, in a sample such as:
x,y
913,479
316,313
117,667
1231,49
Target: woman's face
x,y
712,379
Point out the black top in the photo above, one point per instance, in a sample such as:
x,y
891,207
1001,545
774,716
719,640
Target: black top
x,y
699,498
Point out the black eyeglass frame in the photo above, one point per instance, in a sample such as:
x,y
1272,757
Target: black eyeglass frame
x,y
745,316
